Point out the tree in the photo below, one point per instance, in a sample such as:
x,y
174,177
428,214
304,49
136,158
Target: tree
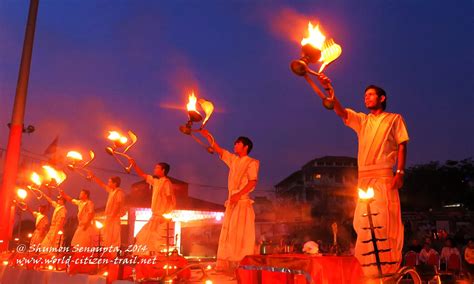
x,y
433,185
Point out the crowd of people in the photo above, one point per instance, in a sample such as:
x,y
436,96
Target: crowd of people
x,y
443,252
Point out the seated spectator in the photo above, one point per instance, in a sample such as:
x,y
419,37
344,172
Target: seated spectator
x,y
415,246
469,256
449,249
426,253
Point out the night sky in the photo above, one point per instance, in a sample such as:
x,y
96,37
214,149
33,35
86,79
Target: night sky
x,y
99,65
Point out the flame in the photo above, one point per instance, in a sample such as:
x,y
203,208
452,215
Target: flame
x,y
30,235
316,38
50,267
60,232
99,225
123,139
74,155
58,176
22,194
330,52
36,179
366,194
208,108
191,106
114,135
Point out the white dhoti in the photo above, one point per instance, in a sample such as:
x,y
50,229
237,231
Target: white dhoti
x,y
53,238
237,238
111,232
114,208
83,237
41,228
152,235
387,205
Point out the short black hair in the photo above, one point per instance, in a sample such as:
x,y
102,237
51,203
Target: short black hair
x,y
380,92
246,141
87,192
165,167
116,180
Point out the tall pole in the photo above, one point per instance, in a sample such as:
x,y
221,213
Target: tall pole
x,y
16,129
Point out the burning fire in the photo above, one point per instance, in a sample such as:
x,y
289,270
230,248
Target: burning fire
x,y
330,50
116,136
315,38
99,225
191,106
74,155
36,179
58,176
22,194
366,194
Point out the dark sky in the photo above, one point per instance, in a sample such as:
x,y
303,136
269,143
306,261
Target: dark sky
x,y
128,64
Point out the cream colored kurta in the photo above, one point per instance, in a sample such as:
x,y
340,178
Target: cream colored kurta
x,y
237,238
57,223
113,211
153,234
84,235
379,138
41,228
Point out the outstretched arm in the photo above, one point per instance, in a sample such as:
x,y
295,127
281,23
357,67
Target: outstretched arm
x,y
338,108
139,171
397,181
214,145
48,198
99,182
65,196
29,210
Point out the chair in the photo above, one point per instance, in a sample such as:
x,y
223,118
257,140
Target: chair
x,y
430,271
411,258
453,263
434,259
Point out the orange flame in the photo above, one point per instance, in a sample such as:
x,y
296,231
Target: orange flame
x,y
22,194
315,37
36,179
74,155
366,194
99,225
58,176
116,136
191,106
